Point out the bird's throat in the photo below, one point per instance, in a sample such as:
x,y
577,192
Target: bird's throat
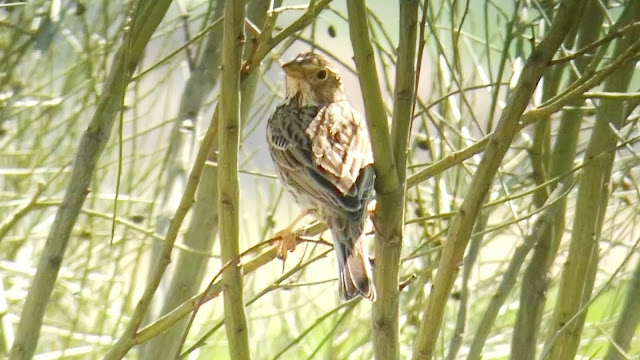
x,y
300,93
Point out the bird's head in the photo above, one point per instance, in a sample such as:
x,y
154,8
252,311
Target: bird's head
x,y
312,81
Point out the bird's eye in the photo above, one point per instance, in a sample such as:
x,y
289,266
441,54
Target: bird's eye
x,y
322,74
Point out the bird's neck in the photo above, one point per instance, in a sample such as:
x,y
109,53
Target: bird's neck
x,y
302,94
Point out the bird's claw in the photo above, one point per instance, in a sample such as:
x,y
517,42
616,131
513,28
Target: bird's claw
x,y
286,243
372,207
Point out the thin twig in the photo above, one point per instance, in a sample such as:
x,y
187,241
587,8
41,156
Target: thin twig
x,y
589,48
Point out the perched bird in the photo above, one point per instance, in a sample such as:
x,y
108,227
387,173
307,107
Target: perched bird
x,y
321,150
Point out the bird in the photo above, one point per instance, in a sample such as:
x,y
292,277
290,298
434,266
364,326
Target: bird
x,y
322,153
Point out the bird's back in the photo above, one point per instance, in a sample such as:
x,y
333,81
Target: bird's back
x,y
322,155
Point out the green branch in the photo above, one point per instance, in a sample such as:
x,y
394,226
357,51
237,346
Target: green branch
x,y
144,20
554,104
266,42
190,267
387,180
535,282
217,286
553,206
580,268
228,186
390,212
498,145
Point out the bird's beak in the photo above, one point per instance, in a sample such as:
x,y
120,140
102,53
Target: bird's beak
x,y
293,69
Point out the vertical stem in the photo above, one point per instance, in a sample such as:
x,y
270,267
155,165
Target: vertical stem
x,y
405,84
390,221
535,281
499,143
390,175
467,267
576,283
628,320
386,175
144,21
228,186
203,227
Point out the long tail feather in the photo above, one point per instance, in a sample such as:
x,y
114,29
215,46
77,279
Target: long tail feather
x,y
355,270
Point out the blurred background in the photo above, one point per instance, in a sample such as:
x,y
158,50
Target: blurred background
x,y
55,57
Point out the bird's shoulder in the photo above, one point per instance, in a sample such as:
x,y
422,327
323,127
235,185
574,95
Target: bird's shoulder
x,y
287,125
324,152
340,144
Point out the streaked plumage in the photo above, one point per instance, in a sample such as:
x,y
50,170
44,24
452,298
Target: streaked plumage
x,y
321,151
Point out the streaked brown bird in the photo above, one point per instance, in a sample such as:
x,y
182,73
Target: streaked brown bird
x,y
321,150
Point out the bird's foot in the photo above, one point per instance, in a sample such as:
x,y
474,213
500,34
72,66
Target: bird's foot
x,y
285,242
372,207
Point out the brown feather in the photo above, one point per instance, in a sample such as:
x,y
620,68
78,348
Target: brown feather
x,y
338,146
321,150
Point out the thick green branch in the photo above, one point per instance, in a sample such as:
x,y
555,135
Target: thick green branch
x,y
499,143
628,320
386,173
228,186
390,219
144,21
203,227
535,281
580,268
405,84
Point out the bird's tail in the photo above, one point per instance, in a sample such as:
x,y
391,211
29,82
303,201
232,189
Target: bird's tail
x,y
353,262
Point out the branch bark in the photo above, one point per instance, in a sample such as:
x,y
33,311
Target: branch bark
x,y
190,268
391,211
628,320
228,185
580,268
535,282
387,180
390,162
145,17
499,143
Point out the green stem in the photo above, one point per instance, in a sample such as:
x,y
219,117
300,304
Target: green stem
x,y
498,145
628,320
386,175
535,280
576,283
553,206
144,20
390,161
228,186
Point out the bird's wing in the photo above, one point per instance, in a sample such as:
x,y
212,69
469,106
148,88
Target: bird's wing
x,y
327,158
290,147
340,145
